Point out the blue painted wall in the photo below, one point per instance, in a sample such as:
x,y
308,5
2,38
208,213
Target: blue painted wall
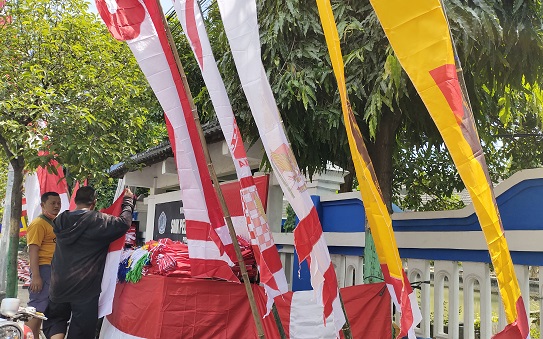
x,y
521,208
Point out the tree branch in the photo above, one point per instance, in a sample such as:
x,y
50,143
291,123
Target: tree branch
x,y
4,144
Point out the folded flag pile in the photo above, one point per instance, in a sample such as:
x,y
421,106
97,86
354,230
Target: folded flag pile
x,y
171,258
23,272
248,258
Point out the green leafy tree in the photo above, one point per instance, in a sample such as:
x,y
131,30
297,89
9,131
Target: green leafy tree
x,y
3,181
70,89
499,45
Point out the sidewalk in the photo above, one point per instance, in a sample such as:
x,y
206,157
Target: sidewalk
x,y
22,294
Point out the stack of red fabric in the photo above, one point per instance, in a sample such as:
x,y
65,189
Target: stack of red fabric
x,y
249,259
171,258
23,272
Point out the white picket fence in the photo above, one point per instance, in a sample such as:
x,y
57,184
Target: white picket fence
x,y
461,300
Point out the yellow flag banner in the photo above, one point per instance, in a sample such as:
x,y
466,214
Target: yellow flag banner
x,y
419,34
378,217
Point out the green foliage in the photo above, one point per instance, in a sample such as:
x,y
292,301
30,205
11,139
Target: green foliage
x,y
22,243
420,173
105,191
289,224
67,88
503,74
534,328
3,181
190,66
69,80
500,47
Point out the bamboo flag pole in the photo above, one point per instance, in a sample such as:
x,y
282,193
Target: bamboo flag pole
x,y
232,231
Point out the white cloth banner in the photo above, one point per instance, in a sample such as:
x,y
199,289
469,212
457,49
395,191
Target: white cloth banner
x,y
240,22
272,276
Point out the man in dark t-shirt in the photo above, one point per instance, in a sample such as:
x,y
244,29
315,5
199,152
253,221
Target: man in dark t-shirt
x,y
83,238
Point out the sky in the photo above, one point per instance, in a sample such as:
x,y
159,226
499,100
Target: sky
x,y
166,5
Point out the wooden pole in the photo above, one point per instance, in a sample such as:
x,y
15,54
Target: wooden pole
x,y
231,230
347,334
278,322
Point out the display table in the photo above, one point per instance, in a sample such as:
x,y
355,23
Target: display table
x,y
170,307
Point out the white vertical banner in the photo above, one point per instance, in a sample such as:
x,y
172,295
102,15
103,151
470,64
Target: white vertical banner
x,y
241,26
272,275
140,24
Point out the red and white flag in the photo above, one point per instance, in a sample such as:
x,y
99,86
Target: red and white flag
x,y
41,182
109,280
240,22
4,18
218,309
272,275
139,23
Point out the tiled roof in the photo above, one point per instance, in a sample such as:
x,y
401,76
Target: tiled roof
x,y
212,132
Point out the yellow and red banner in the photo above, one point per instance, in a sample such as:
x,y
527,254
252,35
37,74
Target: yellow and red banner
x,y
377,213
419,34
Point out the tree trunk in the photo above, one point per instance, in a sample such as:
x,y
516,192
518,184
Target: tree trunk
x,y
14,228
17,163
381,156
381,152
348,180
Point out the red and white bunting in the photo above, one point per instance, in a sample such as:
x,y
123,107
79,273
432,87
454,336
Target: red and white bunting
x,y
272,275
240,22
139,23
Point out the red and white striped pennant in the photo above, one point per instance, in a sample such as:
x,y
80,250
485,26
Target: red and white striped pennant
x,y
240,22
272,275
139,23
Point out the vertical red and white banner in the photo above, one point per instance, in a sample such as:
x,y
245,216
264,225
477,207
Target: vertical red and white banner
x,y
139,23
272,275
241,26
42,181
109,279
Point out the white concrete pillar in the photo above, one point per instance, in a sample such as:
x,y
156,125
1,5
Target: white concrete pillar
x,y
477,272
274,210
327,182
419,270
450,270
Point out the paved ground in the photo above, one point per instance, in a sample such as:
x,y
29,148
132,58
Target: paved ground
x,y
22,294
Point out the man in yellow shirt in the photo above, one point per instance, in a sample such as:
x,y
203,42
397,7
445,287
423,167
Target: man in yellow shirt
x,y
41,242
